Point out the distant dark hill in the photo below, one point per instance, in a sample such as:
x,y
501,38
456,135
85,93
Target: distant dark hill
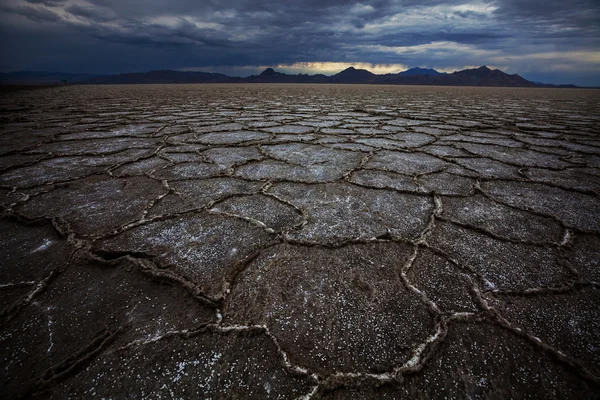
x,y
163,76
353,75
269,75
482,76
549,85
41,78
420,71
269,72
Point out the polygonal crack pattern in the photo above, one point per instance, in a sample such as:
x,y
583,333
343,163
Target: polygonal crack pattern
x,y
252,241
333,310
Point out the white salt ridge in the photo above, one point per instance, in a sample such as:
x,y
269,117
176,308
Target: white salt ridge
x,y
47,243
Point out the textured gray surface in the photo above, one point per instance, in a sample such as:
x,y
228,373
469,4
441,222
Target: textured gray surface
x,y
285,241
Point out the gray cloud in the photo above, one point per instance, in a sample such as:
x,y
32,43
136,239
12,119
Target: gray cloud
x,y
34,14
46,2
522,37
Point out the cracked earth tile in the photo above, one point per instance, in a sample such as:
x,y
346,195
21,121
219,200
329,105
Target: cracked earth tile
x,y
406,122
264,209
333,310
181,157
380,143
571,178
443,283
406,163
285,138
384,179
339,211
434,130
62,169
219,128
314,155
206,249
13,294
261,124
182,139
370,131
337,131
95,206
180,147
351,147
190,170
412,139
569,322
444,151
521,157
195,194
244,365
470,139
331,139
290,129
466,123
535,126
279,170
387,392
577,147
502,265
14,160
82,303
140,167
374,118
507,222
143,130
7,197
230,156
318,123
483,361
95,146
30,252
447,184
231,137
354,125
589,161
18,143
573,209
487,168
584,255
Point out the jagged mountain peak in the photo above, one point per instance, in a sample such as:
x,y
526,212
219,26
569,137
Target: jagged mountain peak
x,y
268,72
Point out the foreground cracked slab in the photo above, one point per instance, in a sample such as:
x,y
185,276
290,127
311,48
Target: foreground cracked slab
x,y
342,310
484,361
206,249
207,364
339,212
299,242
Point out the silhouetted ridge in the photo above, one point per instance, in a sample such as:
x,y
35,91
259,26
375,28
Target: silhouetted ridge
x,y
268,72
353,75
420,71
481,76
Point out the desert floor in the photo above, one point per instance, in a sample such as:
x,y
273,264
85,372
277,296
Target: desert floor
x,y
299,241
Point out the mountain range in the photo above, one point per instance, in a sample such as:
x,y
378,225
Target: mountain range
x,y
482,76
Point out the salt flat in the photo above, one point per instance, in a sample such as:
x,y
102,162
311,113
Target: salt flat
x,y
300,241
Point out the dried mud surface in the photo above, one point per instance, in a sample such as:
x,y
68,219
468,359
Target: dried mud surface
x,y
298,241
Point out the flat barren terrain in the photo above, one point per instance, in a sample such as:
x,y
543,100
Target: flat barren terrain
x,y
299,241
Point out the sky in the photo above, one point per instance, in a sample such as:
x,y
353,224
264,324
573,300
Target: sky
x,y
552,41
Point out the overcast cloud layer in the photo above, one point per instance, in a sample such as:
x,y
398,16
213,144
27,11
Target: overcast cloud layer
x,y
554,41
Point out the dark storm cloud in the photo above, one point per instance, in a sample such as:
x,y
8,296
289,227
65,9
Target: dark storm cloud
x,y
46,2
90,13
515,35
34,14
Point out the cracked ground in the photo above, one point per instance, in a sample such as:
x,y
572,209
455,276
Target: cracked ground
x,y
300,241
